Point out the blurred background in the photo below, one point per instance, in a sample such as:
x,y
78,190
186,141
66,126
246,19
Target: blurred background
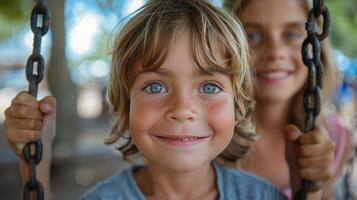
x,y
76,51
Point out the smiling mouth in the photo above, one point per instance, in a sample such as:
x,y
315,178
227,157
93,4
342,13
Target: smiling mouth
x,y
273,76
182,141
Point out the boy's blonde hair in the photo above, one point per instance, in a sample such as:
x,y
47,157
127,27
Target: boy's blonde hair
x,y
146,37
330,72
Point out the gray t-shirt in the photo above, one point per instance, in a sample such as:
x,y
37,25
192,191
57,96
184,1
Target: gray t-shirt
x,y
232,184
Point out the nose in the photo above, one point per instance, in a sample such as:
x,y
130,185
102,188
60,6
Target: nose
x,y
182,109
275,48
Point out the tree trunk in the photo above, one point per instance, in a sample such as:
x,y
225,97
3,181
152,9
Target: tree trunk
x,y
60,84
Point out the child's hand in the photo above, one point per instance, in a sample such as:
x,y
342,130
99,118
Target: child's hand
x,y
310,156
29,120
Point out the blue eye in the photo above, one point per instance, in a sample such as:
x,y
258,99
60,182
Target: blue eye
x,y
293,35
254,38
155,88
210,88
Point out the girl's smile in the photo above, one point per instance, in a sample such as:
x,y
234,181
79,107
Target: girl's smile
x,y
274,75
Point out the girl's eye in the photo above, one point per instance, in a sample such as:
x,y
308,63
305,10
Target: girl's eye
x,y
291,36
155,88
210,88
254,37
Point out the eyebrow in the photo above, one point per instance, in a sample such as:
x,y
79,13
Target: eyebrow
x,y
296,24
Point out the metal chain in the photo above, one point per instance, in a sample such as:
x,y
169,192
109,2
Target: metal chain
x,y
312,59
32,152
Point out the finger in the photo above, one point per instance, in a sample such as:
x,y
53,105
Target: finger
x,y
24,98
292,133
23,112
315,162
312,137
48,104
17,147
316,174
309,151
30,124
317,150
22,135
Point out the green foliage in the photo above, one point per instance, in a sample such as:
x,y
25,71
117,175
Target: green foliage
x,y
13,16
12,9
344,25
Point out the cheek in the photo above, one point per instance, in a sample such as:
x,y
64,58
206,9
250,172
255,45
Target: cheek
x,y
143,113
220,115
302,70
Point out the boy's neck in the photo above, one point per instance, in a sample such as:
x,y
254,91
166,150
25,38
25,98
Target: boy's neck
x,y
158,183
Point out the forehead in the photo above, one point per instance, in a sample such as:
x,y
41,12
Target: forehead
x,y
183,55
274,12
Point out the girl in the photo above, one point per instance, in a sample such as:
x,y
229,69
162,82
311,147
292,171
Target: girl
x,y
276,30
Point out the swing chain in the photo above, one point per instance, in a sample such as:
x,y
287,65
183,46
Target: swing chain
x,y
35,65
312,59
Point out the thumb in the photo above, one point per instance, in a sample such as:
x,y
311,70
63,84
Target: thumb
x,y
292,133
48,105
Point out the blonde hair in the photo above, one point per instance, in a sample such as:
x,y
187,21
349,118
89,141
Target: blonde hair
x,y
145,38
330,72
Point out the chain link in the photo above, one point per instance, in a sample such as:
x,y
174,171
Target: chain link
x,y
34,73
312,59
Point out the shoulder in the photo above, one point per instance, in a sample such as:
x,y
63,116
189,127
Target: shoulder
x,y
119,186
236,184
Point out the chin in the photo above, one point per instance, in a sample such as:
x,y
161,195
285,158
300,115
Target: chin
x,y
184,164
273,99
280,96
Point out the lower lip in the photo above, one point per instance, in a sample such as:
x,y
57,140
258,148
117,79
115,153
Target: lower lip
x,y
272,80
181,143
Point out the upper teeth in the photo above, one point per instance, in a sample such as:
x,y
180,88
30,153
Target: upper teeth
x,y
275,74
187,139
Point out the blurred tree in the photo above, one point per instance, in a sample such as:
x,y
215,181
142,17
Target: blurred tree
x,y
12,16
65,91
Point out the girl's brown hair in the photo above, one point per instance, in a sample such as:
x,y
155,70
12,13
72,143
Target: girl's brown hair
x,y
145,38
